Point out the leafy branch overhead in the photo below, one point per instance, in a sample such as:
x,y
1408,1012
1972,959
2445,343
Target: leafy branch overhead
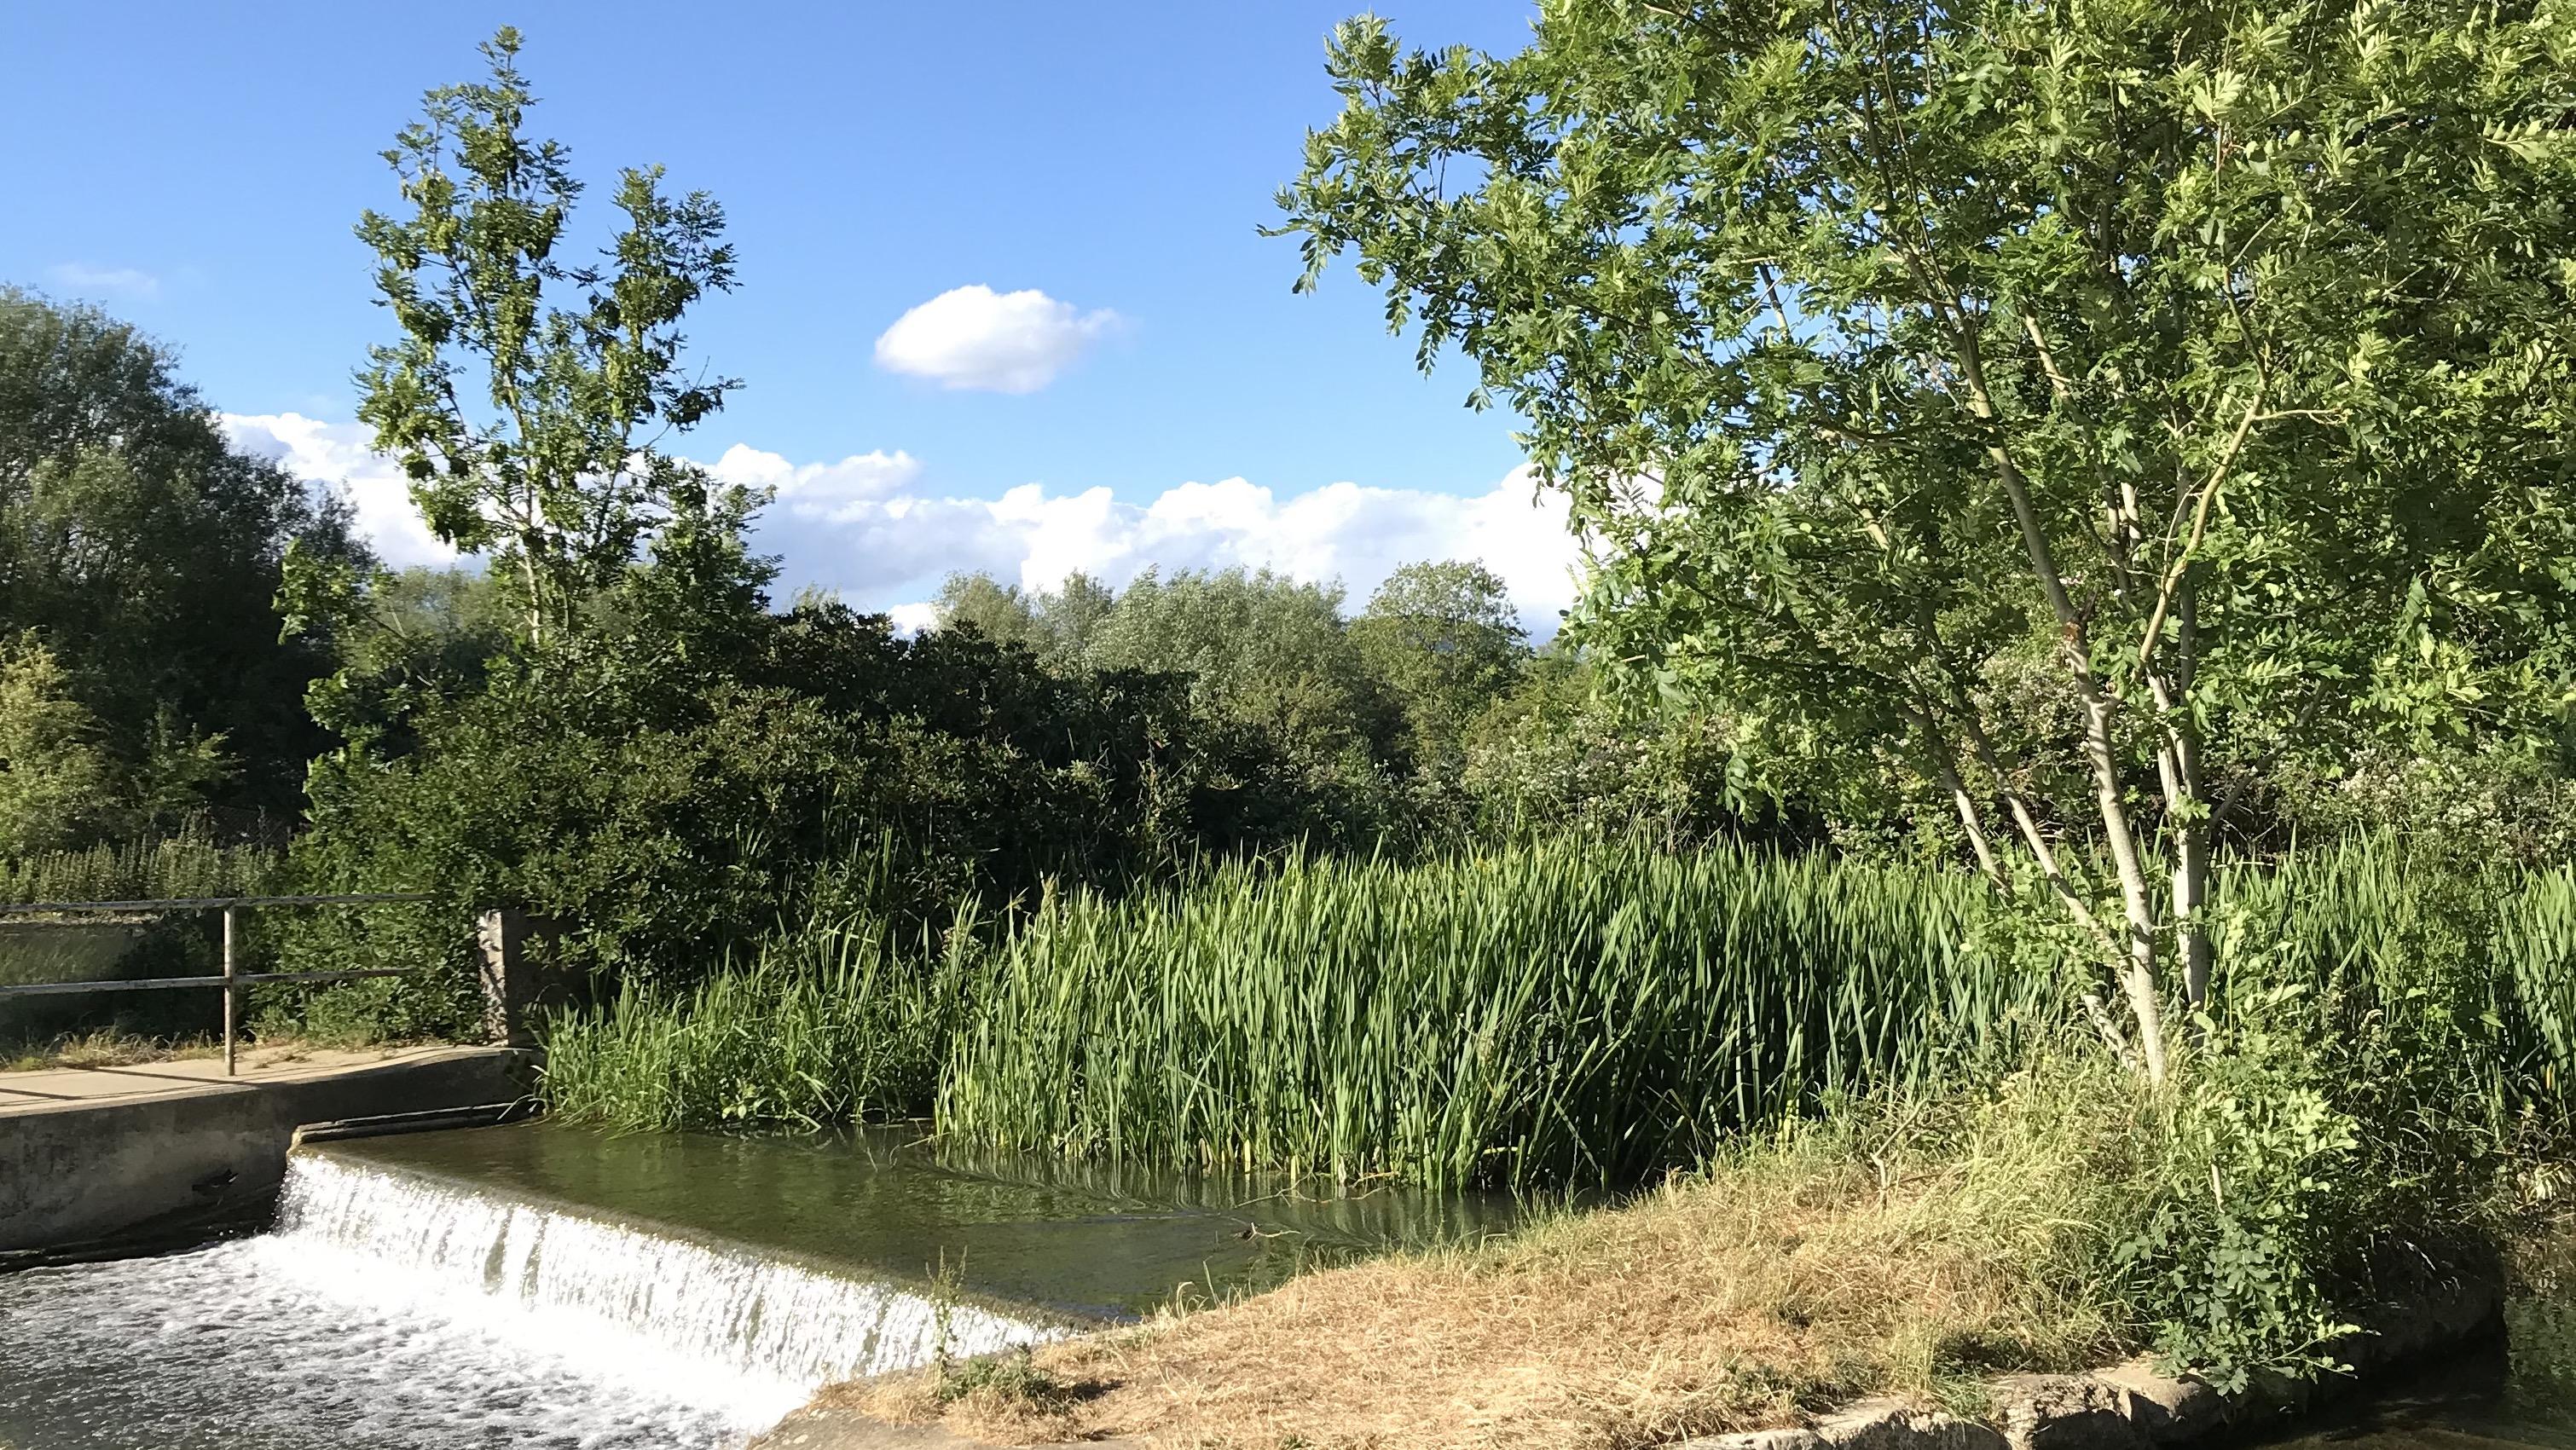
x,y
528,398
2084,410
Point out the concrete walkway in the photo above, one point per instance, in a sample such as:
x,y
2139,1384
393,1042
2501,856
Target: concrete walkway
x,y
92,1155
179,1077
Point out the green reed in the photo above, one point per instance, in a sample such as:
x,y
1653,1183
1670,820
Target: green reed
x,y
823,1027
1561,1011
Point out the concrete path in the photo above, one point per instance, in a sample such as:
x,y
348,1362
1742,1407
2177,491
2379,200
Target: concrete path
x,y
54,1086
106,1156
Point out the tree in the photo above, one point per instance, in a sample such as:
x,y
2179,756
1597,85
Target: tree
x,y
530,426
1058,626
147,554
54,780
1444,640
2185,381
1000,612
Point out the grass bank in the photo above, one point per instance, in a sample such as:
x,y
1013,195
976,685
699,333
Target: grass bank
x,y
2056,1219
2385,1058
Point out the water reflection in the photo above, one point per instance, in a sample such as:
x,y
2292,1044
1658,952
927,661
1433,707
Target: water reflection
x,y
2513,1389
1089,1239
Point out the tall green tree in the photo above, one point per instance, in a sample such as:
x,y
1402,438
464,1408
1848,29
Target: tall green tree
x,y
146,553
1057,625
527,397
1446,643
55,782
2165,387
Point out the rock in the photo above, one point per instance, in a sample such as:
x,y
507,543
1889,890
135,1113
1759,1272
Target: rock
x,y
1864,1425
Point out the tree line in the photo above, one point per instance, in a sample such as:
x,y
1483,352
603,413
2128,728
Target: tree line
x,y
2074,481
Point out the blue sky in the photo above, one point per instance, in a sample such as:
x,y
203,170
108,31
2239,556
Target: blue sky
x,y
197,169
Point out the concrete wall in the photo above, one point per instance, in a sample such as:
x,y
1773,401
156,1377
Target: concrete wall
x,y
134,1169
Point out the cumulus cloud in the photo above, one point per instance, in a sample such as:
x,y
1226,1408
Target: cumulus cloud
x,y
819,490
85,277
339,453
896,546
864,527
1002,342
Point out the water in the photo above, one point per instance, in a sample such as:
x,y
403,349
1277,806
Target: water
x,y
546,1286
2498,1396
1089,1241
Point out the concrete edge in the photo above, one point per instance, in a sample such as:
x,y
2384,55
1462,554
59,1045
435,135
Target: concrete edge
x,y
477,1115
2131,1406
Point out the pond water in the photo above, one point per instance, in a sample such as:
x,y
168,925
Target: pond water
x,y
2500,1396
544,1285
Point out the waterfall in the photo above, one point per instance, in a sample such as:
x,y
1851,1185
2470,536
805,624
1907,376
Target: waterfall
x,y
400,1310
705,1308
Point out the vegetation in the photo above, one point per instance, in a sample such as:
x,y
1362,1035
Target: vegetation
x,y
2051,416
2048,830
142,681
87,946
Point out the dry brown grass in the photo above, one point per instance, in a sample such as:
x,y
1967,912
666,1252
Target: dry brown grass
x,y
1793,1280
109,1047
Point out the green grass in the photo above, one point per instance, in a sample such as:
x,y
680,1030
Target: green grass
x,y
1557,1012
185,866
822,1027
68,947
1560,1011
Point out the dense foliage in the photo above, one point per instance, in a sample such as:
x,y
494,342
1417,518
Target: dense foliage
x,y
2052,415
142,681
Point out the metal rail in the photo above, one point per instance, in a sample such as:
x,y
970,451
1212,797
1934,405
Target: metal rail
x,y
204,903
232,980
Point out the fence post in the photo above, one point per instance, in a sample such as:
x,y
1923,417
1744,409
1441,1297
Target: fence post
x,y
229,989
502,935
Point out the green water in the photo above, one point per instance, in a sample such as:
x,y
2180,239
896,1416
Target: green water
x,y
1088,1240
2514,1390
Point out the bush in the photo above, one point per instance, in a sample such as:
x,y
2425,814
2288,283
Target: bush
x,y
672,803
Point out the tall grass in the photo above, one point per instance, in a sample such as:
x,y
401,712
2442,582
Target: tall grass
x,y
183,866
1565,1010
67,947
1560,1011
821,1027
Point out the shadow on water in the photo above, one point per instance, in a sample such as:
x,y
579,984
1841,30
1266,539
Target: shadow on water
x,y
2510,1390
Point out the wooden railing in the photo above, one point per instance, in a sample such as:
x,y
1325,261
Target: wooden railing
x,y
232,980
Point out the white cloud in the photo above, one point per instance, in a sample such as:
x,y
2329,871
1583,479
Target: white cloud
x,y
862,526
1002,342
913,618
898,544
339,453
84,277
819,490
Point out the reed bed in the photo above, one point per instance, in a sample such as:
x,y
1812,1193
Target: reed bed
x,y
183,866
821,1028
1571,1011
1563,1011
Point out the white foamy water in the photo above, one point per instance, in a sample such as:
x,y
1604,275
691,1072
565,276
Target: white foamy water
x,y
396,1311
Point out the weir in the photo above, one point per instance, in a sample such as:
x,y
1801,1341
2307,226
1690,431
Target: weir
x,y
717,1308
542,1284
391,1308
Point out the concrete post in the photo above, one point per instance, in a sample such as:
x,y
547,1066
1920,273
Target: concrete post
x,y
509,979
